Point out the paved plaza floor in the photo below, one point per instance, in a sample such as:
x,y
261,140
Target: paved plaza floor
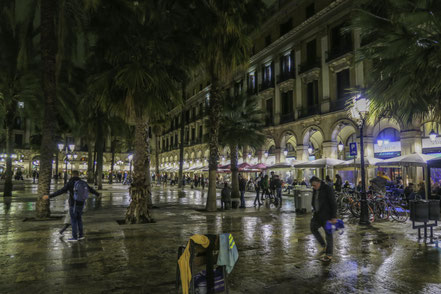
x,y
277,252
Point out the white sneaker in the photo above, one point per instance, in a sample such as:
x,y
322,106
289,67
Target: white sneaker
x,y
81,238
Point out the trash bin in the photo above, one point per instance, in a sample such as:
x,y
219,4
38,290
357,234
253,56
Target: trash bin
x,y
303,201
434,210
419,210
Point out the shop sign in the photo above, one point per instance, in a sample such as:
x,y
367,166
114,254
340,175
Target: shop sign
x,y
390,147
427,143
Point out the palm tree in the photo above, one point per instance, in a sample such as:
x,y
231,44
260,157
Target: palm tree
x,y
225,29
137,82
400,42
18,83
241,127
158,126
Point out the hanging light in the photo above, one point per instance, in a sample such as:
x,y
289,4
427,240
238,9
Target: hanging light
x,y
310,149
380,142
266,153
432,135
340,146
285,152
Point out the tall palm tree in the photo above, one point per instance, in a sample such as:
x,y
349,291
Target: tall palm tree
x,y
18,82
400,42
225,29
137,82
241,126
158,126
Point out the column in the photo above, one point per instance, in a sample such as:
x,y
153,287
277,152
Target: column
x,y
260,155
411,142
298,94
325,68
302,153
278,154
330,149
359,74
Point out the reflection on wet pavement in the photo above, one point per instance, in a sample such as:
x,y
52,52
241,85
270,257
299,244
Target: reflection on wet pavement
x,y
277,252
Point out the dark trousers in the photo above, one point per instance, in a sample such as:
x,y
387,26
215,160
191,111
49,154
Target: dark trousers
x,y
77,222
279,195
242,198
257,197
315,225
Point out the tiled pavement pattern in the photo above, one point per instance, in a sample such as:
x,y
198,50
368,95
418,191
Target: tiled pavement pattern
x,y
277,252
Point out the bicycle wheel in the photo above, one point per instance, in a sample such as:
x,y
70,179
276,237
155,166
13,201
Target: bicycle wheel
x,y
355,208
398,213
381,211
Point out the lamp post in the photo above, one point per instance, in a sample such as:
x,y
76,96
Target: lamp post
x,y
66,148
432,136
359,111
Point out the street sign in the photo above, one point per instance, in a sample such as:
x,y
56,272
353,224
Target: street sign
x,y
353,149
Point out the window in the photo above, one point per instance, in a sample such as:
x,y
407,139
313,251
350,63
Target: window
x,y
267,72
200,87
286,27
18,140
289,147
310,10
269,112
193,132
286,63
267,40
311,51
343,84
187,116
251,82
200,133
176,139
312,93
17,123
389,135
187,135
287,102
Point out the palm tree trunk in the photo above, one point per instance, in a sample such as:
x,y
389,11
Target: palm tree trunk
x,y
99,158
215,108
147,173
112,149
234,172
48,44
90,159
157,154
138,211
8,172
181,145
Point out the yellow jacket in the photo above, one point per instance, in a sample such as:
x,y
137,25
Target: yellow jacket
x,y
184,260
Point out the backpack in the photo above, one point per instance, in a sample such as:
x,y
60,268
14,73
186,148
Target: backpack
x,y
81,191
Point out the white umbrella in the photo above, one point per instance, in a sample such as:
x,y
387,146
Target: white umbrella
x,y
415,159
280,165
319,163
368,161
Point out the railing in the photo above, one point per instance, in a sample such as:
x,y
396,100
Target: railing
x,y
266,85
310,110
287,117
336,52
339,104
310,64
286,76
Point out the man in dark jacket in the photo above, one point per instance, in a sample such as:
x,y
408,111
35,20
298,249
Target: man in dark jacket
x,y
75,207
242,187
325,209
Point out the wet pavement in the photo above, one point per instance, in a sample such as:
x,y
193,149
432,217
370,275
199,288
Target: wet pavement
x,y
277,252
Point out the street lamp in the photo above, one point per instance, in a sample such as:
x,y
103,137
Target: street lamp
x,y
66,148
432,135
359,111
340,146
285,152
310,149
266,153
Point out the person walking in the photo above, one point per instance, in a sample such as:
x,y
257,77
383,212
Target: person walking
x,y
329,182
225,197
338,183
278,189
264,186
76,188
242,187
325,209
257,188
202,182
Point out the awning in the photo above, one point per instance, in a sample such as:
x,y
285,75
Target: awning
x,y
319,163
415,159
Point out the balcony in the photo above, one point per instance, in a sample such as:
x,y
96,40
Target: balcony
x,y
309,65
339,104
252,91
266,85
269,121
286,118
338,51
284,76
309,111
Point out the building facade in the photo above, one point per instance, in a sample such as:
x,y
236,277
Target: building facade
x,y
302,69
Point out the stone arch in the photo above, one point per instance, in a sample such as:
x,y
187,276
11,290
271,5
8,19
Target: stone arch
x,y
309,133
288,136
343,125
384,124
268,143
